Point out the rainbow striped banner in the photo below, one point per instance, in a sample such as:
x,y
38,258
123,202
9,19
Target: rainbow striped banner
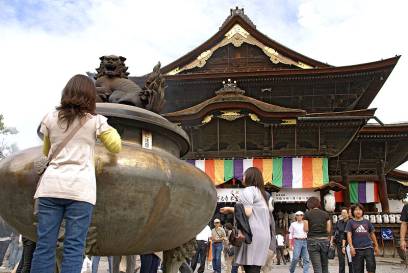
x,y
286,172
361,192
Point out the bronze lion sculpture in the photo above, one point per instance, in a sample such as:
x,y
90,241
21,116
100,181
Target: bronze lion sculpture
x,y
113,85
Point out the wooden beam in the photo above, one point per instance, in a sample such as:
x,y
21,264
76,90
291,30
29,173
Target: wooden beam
x,y
346,184
382,186
362,177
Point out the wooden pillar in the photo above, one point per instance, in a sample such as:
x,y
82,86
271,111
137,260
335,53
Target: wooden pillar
x,y
346,184
382,187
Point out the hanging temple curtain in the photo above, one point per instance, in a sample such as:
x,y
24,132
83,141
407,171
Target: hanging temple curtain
x,y
361,192
284,172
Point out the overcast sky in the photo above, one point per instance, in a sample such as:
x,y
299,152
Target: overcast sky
x,y
44,42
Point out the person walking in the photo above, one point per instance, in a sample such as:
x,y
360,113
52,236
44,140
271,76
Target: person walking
x,y
149,263
24,266
5,239
218,236
229,252
403,228
280,240
200,256
299,237
16,250
130,263
341,241
318,226
67,188
95,263
255,201
362,241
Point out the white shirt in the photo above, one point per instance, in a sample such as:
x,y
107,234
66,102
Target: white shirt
x,y
280,240
71,174
204,234
296,231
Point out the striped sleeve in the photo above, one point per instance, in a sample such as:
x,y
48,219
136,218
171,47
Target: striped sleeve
x,y
111,140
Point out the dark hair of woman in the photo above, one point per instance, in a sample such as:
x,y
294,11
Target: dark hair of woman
x,y
313,202
253,177
353,208
78,98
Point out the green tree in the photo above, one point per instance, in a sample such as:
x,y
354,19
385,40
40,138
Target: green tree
x,y
5,147
1,123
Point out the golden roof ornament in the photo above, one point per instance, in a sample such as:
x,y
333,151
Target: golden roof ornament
x,y
230,87
230,115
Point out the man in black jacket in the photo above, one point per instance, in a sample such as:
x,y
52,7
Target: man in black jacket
x,y
340,238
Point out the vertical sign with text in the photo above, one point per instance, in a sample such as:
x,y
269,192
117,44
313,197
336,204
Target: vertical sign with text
x,y
147,140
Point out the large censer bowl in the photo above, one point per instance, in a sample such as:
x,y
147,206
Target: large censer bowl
x,y
147,199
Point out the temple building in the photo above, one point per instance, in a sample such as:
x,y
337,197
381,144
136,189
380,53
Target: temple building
x,y
246,100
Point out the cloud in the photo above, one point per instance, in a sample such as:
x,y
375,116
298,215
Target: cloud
x,y
44,43
57,16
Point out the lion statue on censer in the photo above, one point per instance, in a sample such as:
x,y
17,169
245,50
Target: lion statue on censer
x,y
113,85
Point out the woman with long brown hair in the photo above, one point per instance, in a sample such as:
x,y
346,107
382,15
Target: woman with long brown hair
x,y
255,201
67,189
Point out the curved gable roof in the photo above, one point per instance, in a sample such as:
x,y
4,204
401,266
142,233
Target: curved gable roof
x,y
248,26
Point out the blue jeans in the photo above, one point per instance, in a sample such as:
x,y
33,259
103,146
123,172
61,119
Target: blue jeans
x,y
15,253
95,263
300,250
216,253
51,212
3,249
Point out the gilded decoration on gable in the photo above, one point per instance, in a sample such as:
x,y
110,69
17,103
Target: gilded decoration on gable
x,y
207,119
230,87
200,61
289,122
237,35
174,71
254,117
237,29
230,115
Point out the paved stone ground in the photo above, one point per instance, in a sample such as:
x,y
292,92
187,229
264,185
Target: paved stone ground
x,y
384,265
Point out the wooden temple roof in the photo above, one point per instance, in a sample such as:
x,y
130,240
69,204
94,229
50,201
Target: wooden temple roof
x,y
269,72
325,72
232,97
399,175
385,131
245,26
373,144
326,105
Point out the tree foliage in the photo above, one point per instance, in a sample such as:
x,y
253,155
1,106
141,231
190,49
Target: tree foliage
x,y
5,147
1,123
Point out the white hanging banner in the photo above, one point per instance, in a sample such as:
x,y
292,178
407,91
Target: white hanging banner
x,y
294,195
147,140
228,195
283,196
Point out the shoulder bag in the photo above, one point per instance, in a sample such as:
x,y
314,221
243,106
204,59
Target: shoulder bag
x,y
332,252
236,237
